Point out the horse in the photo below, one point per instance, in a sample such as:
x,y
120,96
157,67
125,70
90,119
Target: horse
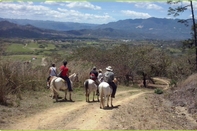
x,y
90,86
59,84
105,91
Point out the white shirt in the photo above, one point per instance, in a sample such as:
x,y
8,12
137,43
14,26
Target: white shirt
x,y
100,77
53,71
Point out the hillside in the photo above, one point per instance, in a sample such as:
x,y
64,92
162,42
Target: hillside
x,y
12,30
137,29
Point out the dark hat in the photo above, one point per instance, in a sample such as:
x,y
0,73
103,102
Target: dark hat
x,y
65,62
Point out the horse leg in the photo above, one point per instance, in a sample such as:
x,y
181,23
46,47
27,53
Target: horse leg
x,y
107,100
56,96
93,95
70,96
111,102
97,98
101,102
65,98
88,97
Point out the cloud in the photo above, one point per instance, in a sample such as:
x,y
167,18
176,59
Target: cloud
x,y
40,12
83,5
21,10
147,5
76,16
134,14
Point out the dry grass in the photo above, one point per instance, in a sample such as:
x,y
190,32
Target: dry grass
x,y
190,81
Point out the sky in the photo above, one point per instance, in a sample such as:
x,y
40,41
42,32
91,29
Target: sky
x,y
94,12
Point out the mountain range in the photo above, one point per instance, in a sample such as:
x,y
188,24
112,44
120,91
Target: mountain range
x,y
132,29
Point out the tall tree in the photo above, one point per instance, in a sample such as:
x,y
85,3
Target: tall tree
x,y
179,9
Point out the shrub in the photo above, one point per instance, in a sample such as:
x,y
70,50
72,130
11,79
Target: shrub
x,y
16,77
158,91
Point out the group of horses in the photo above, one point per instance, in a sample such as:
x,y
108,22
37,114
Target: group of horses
x,y
58,84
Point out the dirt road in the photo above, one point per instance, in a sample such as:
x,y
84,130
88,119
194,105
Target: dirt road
x,y
78,115
133,109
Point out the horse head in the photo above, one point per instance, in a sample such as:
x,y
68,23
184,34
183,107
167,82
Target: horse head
x,y
115,81
74,77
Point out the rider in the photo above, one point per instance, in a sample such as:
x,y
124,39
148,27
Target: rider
x,y
52,72
64,74
93,75
100,75
109,77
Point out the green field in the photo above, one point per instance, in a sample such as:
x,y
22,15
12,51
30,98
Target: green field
x,y
29,48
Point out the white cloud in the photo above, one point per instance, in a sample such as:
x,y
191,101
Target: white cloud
x,y
39,12
148,5
83,5
134,14
76,16
54,3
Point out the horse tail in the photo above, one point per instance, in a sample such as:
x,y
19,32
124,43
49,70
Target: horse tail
x,y
101,92
86,86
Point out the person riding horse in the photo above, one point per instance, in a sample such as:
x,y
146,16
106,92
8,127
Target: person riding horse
x,y
64,74
52,72
94,76
109,77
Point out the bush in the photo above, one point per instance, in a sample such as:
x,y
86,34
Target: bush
x,y
16,77
158,91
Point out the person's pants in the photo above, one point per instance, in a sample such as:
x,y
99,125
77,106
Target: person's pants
x,y
68,83
48,78
114,87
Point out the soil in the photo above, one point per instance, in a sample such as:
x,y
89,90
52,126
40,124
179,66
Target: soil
x,y
134,109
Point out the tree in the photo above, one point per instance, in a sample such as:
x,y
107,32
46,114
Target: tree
x,y
176,11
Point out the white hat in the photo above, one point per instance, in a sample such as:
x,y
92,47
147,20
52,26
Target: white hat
x,y
109,68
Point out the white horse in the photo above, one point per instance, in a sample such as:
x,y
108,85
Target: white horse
x,y
105,91
90,86
57,84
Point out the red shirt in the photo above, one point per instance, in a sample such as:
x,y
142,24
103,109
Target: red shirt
x,y
64,70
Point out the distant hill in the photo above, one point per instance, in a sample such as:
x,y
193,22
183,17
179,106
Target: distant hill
x,y
60,26
11,30
137,29
153,28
